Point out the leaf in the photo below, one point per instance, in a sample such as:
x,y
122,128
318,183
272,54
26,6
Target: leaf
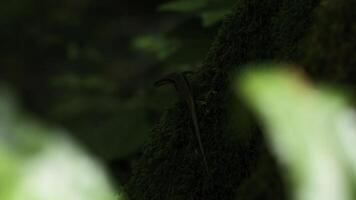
x,y
156,44
311,130
212,17
183,5
38,162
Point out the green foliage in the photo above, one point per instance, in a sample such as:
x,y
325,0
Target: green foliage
x,y
38,162
310,129
210,11
111,127
71,62
157,44
183,5
213,16
185,43
88,65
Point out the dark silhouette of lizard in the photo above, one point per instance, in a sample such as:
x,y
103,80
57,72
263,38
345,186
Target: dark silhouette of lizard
x,y
182,85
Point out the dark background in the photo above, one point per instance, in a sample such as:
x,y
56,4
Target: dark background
x,y
89,66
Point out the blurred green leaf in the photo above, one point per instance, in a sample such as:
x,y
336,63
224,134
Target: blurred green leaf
x,y
211,17
311,130
183,5
38,162
156,44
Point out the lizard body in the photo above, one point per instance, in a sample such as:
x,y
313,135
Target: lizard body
x,y
181,84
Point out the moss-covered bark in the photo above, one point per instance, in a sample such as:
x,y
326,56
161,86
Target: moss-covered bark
x,y
171,166
331,45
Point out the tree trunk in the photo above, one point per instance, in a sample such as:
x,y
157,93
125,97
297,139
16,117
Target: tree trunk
x,y
240,166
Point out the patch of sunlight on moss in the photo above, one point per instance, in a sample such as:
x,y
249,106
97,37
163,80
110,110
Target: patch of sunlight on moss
x,y
38,162
311,129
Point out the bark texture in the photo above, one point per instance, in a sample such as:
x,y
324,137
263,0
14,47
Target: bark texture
x,y
241,167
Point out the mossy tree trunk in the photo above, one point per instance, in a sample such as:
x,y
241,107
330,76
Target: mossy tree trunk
x,y
171,166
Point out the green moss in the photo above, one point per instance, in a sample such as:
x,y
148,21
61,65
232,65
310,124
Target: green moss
x,y
331,45
171,166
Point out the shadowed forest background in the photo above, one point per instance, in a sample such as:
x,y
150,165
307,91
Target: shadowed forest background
x,y
89,67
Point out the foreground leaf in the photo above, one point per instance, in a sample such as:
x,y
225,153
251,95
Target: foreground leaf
x,y
38,162
311,130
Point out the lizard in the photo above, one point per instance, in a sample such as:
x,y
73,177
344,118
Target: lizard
x,y
182,85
